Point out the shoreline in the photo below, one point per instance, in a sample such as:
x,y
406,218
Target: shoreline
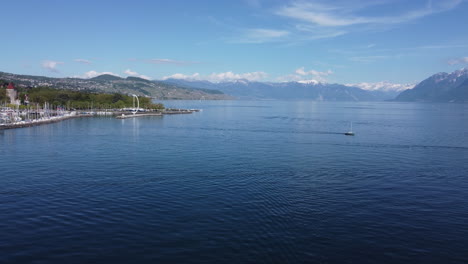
x,y
137,115
38,122
116,114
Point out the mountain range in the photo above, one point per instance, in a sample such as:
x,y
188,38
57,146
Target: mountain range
x,y
244,89
440,87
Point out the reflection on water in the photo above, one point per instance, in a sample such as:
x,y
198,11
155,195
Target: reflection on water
x,y
240,182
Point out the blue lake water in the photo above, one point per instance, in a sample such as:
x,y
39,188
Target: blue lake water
x,y
240,182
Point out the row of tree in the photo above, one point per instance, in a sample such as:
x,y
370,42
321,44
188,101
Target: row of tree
x,y
78,99
3,94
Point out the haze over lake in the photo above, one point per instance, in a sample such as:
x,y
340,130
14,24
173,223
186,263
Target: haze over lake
x,y
241,181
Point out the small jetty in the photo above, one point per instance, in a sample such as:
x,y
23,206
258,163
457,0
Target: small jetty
x,y
123,116
16,122
174,111
41,121
170,111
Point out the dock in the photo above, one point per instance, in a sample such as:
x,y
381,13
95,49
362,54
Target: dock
x,y
173,111
43,121
165,112
123,116
117,114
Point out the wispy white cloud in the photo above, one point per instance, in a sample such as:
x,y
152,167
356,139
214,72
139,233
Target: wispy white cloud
x,y
261,35
170,61
181,76
314,32
51,65
369,59
83,61
303,76
462,60
92,74
342,14
136,74
301,71
319,14
320,19
230,76
221,77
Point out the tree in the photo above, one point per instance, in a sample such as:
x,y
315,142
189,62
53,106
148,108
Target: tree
x,y
84,100
119,104
117,97
3,95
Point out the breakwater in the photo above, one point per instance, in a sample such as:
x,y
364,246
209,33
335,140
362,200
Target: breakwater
x,y
69,115
41,121
123,116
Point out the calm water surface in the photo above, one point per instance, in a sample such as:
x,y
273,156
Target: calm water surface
x,y
240,182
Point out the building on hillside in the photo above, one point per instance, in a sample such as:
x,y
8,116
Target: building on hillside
x,y
12,93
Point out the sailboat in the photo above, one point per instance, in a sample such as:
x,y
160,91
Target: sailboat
x,y
350,132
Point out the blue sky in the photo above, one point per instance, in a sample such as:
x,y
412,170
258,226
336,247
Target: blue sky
x,y
348,41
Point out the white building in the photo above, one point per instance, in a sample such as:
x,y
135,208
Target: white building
x,y
12,94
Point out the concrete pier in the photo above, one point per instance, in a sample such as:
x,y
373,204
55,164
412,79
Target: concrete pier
x,y
37,122
123,116
118,115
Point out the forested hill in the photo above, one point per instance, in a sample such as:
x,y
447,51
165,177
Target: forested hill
x,y
115,84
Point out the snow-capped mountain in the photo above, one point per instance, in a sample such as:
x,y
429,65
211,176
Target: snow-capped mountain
x,y
440,87
383,86
313,90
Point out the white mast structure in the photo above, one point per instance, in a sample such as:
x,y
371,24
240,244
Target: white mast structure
x,y
135,110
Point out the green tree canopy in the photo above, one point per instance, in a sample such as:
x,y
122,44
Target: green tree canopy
x,y
85,100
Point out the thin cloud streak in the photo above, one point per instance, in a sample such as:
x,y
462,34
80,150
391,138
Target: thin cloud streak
x,y
170,61
221,77
463,60
328,15
316,19
83,61
261,35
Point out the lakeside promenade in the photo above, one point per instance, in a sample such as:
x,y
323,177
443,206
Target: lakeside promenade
x,y
42,121
74,114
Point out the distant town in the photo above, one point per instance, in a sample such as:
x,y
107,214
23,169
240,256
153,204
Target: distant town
x,y
28,106
113,84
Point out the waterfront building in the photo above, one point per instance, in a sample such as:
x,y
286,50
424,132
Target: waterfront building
x,y
12,93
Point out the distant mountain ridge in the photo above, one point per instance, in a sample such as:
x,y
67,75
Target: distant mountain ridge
x,y
244,89
113,84
440,87
106,77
